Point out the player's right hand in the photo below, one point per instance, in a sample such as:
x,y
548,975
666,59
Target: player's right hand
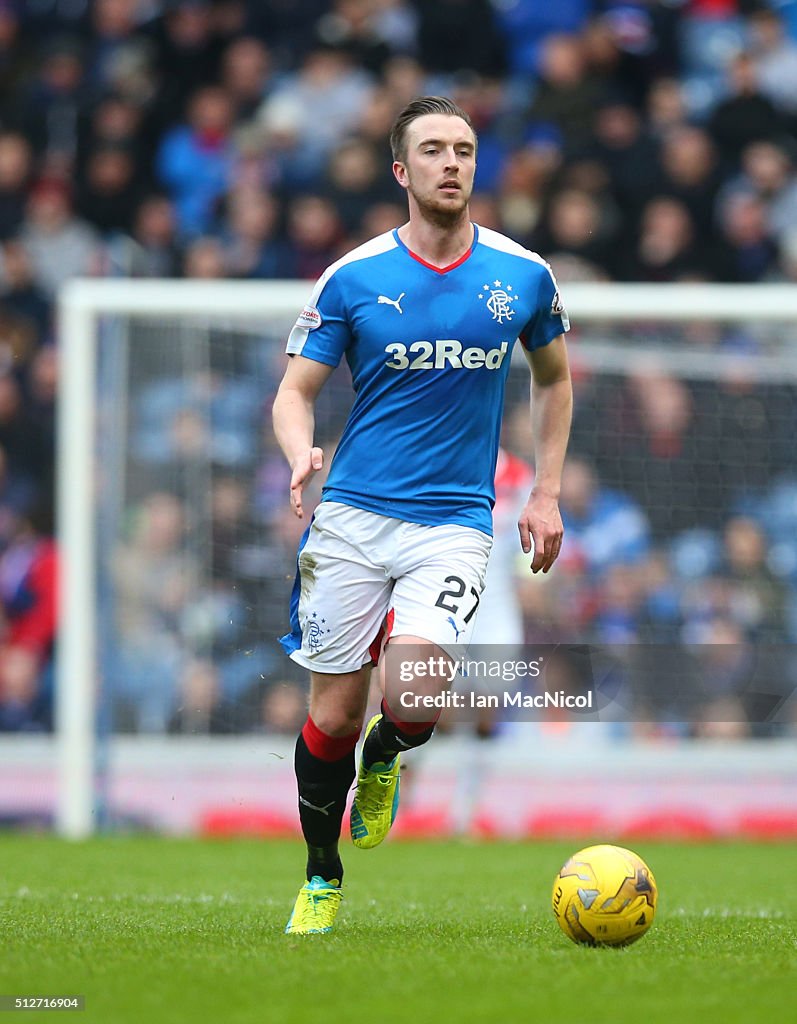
x,y
306,464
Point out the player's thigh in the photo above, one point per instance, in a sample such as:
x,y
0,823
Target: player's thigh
x,y
438,595
343,595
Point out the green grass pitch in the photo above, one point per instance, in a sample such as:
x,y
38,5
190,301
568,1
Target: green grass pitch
x,y
155,931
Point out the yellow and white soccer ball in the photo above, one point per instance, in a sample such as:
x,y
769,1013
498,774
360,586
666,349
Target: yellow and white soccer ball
x,y
605,895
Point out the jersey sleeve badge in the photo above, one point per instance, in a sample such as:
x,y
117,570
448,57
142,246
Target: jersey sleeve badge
x,y
309,318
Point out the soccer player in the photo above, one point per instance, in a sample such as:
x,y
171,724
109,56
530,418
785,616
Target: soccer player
x,y
426,316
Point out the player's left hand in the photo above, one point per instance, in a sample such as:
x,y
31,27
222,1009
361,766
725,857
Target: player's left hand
x,y
540,524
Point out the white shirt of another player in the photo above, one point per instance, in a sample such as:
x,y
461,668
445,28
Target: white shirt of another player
x,y
499,619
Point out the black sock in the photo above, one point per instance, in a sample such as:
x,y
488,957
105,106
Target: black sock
x,y
324,861
386,740
323,788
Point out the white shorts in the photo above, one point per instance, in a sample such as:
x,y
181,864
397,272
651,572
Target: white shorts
x,y
360,573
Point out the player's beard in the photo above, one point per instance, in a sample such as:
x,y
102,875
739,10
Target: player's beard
x,y
439,210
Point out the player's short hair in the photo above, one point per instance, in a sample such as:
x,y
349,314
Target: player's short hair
x,y
419,108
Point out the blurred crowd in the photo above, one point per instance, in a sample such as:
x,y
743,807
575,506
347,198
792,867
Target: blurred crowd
x,y
648,140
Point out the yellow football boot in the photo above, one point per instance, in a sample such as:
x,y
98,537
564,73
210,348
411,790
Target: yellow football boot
x,y
316,907
376,800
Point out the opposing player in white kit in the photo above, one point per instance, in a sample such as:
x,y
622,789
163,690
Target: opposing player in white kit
x,y
499,625
426,316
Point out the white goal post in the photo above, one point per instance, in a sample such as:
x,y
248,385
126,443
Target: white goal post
x,y
82,304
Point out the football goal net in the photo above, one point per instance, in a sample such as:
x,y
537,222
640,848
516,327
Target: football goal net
x,y
178,544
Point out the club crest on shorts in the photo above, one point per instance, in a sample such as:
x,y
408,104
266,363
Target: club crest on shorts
x,y
314,632
499,300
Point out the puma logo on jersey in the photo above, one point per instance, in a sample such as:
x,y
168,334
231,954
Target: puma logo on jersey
x,y
383,300
445,352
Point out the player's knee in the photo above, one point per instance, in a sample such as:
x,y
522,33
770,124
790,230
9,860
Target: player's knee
x,y
337,722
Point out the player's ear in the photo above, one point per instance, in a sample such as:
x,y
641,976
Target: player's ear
x,y
400,173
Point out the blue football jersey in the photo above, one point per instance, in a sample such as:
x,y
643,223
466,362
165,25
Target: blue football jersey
x,y
429,351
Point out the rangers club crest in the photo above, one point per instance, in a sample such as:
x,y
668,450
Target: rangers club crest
x,y
315,632
499,300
